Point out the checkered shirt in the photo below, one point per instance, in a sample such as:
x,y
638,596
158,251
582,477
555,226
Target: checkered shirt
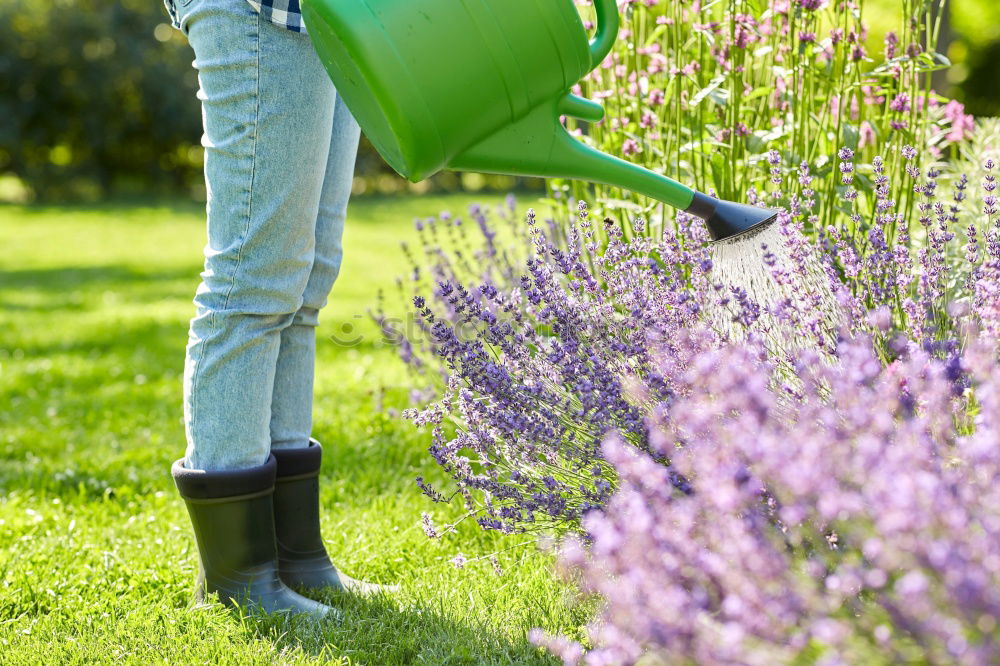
x,y
285,13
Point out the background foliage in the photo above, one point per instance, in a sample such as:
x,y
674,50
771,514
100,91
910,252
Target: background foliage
x,y
97,97
95,93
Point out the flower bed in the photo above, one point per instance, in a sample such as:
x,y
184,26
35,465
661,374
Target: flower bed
x,y
773,451
850,519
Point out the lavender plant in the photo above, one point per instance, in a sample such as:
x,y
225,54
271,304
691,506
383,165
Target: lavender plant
x,y
533,370
754,469
536,371
907,248
529,337
852,518
746,97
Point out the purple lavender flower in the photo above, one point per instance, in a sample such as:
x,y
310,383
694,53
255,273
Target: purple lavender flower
x,y
891,42
428,526
900,103
537,353
538,363
854,488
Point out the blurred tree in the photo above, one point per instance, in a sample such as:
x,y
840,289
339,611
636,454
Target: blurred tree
x,y
95,95
980,90
976,52
98,97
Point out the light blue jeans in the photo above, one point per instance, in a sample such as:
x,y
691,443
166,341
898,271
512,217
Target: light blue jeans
x,y
280,148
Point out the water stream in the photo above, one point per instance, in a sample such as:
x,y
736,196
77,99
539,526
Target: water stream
x,y
796,277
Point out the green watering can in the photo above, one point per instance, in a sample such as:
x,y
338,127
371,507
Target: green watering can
x,y
479,85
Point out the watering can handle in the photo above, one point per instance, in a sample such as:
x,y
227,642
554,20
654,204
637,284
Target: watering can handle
x,y
608,22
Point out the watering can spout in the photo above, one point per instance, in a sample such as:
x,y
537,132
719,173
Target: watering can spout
x,y
538,145
728,219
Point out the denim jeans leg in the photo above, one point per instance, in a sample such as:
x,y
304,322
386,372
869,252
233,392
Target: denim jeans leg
x,y
268,114
292,403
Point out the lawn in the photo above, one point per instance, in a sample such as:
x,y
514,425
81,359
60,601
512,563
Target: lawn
x,y
96,555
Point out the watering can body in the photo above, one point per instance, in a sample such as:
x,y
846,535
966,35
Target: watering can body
x,y
476,85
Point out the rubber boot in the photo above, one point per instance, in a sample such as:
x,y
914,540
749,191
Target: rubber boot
x,y
303,562
233,518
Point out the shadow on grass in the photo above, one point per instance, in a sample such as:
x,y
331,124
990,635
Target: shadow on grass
x,y
83,397
92,405
381,631
90,277
131,204
147,346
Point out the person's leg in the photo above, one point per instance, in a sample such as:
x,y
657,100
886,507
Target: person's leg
x,y
268,115
303,562
267,107
292,402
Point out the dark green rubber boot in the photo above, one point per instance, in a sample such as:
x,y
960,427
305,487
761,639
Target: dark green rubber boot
x,y
303,562
233,518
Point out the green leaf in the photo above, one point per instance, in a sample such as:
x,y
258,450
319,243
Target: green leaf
x,y
708,90
851,136
655,35
622,204
718,164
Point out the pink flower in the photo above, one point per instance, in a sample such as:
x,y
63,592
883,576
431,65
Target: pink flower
x,y
866,135
962,124
744,33
691,68
630,147
961,128
657,63
873,95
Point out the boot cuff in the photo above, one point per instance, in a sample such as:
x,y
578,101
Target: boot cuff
x,y
299,462
202,485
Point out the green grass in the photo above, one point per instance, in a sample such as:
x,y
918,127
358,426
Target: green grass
x,y
96,556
